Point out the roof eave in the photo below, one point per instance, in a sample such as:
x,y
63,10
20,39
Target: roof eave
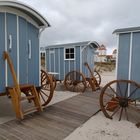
x,y
126,30
32,11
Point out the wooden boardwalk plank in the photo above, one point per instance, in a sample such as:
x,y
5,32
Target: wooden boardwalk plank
x,y
55,122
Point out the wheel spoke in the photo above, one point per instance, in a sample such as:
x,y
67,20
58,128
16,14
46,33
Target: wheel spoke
x,y
113,90
120,90
126,90
133,92
121,114
42,98
126,113
115,111
109,95
44,93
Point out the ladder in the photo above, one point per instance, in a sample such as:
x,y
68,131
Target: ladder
x,y
15,93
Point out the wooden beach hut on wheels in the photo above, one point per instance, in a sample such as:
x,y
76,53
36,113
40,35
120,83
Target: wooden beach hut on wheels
x,y
64,58
121,97
20,29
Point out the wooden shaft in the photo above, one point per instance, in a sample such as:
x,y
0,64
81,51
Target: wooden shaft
x,y
16,84
87,65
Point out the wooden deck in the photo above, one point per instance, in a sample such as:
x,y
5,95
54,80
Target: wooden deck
x,y
55,122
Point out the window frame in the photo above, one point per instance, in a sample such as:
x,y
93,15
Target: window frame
x,y
69,53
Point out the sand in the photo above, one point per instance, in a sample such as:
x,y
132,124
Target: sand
x,y
100,128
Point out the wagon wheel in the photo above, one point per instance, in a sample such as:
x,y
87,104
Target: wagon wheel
x,y
119,98
75,81
96,79
46,90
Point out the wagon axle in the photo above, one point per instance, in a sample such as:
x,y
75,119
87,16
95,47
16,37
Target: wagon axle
x,y
123,102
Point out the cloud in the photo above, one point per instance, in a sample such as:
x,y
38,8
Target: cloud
x,y
80,20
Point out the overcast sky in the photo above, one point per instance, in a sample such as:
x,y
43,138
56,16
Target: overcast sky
x,y
82,20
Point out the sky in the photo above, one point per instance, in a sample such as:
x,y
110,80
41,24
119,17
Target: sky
x,y
86,20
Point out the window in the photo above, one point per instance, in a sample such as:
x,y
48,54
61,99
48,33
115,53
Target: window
x,y
69,53
42,54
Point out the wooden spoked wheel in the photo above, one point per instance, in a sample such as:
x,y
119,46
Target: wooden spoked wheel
x,y
121,99
46,90
75,81
97,77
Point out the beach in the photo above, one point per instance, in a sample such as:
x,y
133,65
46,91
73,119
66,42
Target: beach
x,y
98,127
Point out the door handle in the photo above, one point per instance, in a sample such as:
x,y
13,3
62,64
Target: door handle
x,y
29,49
10,42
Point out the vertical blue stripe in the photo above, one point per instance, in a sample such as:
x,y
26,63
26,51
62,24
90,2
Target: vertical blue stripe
x,y
57,62
77,58
61,55
47,60
2,48
12,30
33,63
135,64
123,56
23,57
66,66
52,60
72,65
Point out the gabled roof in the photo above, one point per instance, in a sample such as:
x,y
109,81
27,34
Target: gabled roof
x,y
31,12
93,44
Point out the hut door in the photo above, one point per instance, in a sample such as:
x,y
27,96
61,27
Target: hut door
x,y
11,43
23,51
33,55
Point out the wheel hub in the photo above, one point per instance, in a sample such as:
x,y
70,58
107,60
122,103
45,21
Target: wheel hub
x,y
123,102
75,83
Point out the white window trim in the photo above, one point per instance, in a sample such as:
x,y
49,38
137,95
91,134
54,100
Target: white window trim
x,y
65,55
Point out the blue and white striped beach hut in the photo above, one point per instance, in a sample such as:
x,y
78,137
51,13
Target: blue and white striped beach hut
x,y
64,58
20,29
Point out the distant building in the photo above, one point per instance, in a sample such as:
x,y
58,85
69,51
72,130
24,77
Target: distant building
x,y
101,54
109,58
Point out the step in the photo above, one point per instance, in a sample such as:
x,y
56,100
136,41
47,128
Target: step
x,y
30,110
27,97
